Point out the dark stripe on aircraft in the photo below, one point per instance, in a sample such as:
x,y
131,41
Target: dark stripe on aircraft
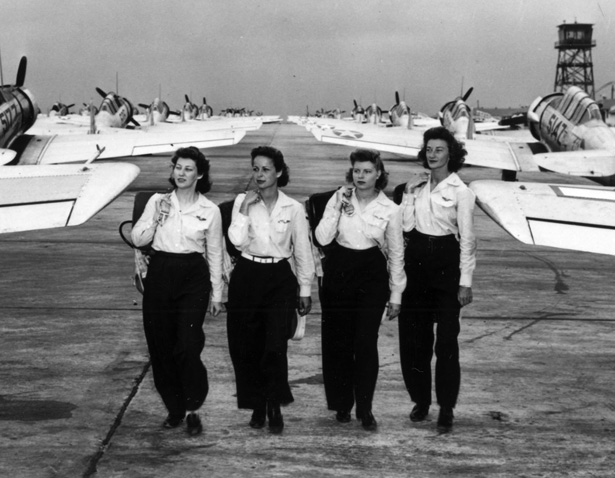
x,y
570,223
35,203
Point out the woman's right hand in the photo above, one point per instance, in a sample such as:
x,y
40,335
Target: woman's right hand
x,y
252,197
416,182
342,195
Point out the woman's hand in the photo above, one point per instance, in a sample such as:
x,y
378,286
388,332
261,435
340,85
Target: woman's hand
x,y
216,308
464,295
252,197
342,196
305,305
393,310
416,182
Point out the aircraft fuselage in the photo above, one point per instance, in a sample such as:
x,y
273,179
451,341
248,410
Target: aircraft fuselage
x,y
18,112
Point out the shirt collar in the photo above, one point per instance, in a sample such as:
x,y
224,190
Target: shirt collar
x,y
202,201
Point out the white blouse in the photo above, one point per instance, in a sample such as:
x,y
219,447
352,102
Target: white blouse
x,y
283,234
195,229
379,224
448,209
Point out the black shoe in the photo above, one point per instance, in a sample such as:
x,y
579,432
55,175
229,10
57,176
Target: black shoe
x,y
194,424
419,413
258,418
368,422
445,419
274,414
172,421
343,416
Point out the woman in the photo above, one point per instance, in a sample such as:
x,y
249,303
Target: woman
x,y
364,267
271,231
186,231
440,257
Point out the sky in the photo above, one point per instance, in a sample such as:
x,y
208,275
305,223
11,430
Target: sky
x,y
279,56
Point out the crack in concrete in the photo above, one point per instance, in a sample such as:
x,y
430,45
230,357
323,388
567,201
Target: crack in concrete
x,y
91,469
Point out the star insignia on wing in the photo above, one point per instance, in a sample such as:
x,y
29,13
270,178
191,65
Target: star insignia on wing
x,y
347,133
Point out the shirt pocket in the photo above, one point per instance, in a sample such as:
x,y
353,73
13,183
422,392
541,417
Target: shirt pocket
x,y
195,226
445,207
375,225
281,224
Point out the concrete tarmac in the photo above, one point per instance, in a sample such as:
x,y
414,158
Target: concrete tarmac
x,y
77,397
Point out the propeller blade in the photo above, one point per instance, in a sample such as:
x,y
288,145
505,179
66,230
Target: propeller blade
x,y
187,99
134,121
468,93
101,92
21,72
142,105
396,97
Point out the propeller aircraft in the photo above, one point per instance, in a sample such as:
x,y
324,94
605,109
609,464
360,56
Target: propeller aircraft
x,y
34,195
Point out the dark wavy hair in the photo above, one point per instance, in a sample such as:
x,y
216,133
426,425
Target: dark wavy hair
x,y
278,162
456,151
203,185
374,158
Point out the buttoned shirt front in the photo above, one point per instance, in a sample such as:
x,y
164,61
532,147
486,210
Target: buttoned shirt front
x,y
447,209
282,234
198,228
378,224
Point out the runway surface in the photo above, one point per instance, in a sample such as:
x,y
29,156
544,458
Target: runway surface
x,y
77,396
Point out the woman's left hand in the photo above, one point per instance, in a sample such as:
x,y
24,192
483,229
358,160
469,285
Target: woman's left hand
x,y
216,308
464,295
305,305
393,310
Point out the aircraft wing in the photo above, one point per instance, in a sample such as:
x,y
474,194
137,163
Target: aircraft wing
x,y
210,124
586,163
485,153
391,140
41,197
578,217
73,148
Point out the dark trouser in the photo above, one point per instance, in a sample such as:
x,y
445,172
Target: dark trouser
x,y
261,297
432,269
354,294
174,306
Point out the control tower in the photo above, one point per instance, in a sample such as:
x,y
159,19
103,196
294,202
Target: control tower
x,y
574,60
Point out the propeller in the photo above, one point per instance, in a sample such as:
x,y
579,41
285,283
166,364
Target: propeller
x,y
101,92
21,72
396,97
468,93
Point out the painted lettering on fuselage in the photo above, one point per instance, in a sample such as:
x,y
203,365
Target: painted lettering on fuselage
x,y
9,122
560,133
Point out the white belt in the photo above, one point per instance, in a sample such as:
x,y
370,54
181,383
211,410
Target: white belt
x,y
262,260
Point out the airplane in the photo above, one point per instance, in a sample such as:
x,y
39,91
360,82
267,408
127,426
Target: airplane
x,y
157,112
568,137
576,217
86,110
35,196
60,109
399,113
358,112
190,110
373,114
205,111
